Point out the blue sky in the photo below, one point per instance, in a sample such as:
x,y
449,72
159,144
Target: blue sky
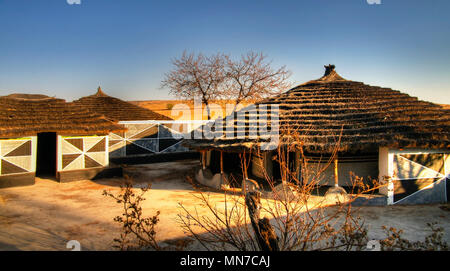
x,y
51,47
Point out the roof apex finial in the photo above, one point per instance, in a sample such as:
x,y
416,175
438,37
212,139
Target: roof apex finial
x,y
100,92
329,69
330,75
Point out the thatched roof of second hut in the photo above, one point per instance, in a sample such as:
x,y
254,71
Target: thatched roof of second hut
x,y
116,109
29,114
361,117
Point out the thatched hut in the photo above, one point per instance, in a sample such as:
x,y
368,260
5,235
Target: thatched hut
x,y
117,109
41,135
147,131
376,132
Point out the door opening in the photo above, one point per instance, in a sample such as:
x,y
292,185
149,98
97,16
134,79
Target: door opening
x,y
46,155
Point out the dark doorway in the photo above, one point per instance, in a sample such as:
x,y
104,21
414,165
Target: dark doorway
x,y
46,155
447,183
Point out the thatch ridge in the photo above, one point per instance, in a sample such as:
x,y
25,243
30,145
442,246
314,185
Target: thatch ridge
x,y
116,109
28,114
368,117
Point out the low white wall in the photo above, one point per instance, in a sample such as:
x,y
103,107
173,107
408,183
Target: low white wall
x,y
346,172
205,177
385,169
261,165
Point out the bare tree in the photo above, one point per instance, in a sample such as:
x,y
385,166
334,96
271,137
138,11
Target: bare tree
x,y
253,77
196,76
219,76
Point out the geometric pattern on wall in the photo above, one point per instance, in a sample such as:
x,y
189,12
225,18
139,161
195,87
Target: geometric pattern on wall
x,y
414,172
83,152
144,139
416,166
15,156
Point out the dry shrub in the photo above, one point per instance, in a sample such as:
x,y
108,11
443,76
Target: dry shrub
x,y
138,231
395,241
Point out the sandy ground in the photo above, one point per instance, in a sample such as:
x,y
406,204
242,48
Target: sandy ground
x,y
47,215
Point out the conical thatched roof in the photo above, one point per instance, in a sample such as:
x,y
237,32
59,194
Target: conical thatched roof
x,y
367,116
29,114
116,109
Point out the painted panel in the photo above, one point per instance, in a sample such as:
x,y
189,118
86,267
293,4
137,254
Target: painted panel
x,y
117,148
148,144
17,156
179,128
416,170
147,138
23,162
135,129
75,162
177,147
411,166
404,188
166,143
150,132
23,150
116,136
68,148
82,152
166,132
98,157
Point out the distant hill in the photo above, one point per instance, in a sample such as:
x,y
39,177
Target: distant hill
x,y
446,106
164,107
159,106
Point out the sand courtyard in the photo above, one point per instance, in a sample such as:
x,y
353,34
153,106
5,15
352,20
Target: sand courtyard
x,y
47,215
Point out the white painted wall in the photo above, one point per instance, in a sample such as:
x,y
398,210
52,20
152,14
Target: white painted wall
x,y
262,165
33,153
385,170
